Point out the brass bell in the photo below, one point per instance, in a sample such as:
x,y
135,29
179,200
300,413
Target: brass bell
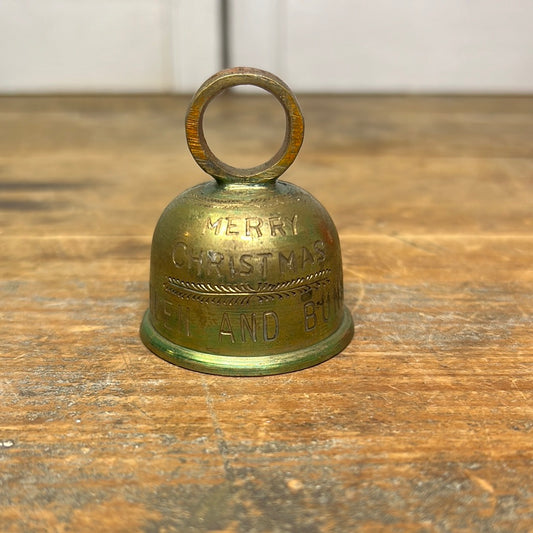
x,y
246,271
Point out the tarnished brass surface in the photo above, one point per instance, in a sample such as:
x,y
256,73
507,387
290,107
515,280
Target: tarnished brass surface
x,y
246,271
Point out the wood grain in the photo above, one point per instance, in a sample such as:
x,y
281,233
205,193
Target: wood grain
x,y
425,423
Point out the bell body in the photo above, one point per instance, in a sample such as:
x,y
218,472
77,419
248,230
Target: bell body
x,y
246,279
246,271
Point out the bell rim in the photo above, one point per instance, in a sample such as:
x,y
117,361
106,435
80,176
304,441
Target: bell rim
x,y
257,365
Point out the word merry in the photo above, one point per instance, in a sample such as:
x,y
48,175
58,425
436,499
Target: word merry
x,y
252,226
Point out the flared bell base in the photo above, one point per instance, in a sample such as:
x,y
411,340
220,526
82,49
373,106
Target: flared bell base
x,y
242,365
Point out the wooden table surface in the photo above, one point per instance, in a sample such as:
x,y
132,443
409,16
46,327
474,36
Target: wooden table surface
x,y
425,422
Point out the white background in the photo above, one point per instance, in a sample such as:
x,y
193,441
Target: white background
x,y
436,46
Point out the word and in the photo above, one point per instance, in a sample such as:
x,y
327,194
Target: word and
x,y
247,326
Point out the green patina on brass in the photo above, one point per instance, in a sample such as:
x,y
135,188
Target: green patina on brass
x,y
246,271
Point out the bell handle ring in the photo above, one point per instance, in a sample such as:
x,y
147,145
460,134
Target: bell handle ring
x,y
294,131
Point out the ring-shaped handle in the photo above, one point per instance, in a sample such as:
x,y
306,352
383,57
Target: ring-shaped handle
x,y
294,131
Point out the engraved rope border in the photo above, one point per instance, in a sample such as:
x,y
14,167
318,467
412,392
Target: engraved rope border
x,y
243,293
